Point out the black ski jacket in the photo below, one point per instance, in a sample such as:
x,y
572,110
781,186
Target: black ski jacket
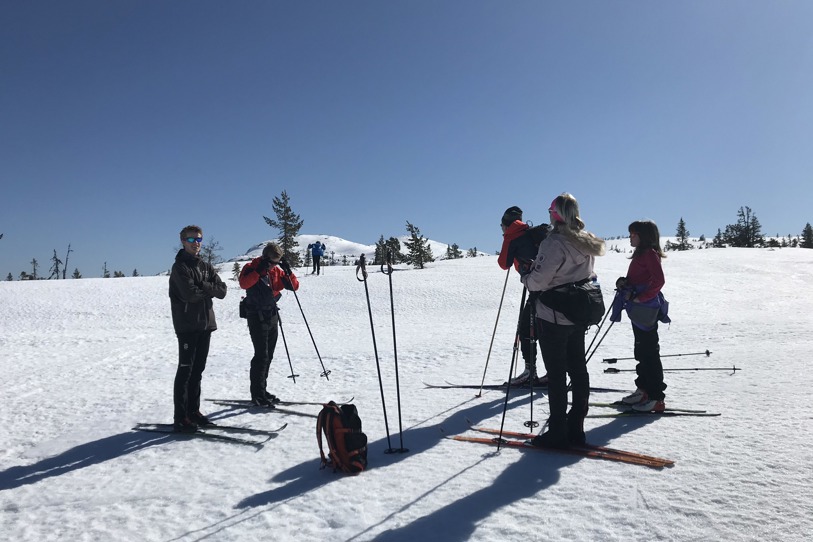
x,y
192,285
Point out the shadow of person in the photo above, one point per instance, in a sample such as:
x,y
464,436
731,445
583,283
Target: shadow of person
x,y
80,457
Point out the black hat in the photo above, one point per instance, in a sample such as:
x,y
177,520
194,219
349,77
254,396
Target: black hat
x,y
511,214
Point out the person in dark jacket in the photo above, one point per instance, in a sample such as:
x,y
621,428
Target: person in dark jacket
x,y
263,279
192,285
519,250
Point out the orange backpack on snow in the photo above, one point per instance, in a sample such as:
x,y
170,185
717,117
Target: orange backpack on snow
x,y
347,445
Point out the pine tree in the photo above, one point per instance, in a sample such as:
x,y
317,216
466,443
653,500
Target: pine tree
x,y
118,274
10,277
380,251
288,223
209,252
34,265
472,252
453,252
135,273
77,274
419,253
235,271
807,237
24,275
682,235
105,271
747,232
393,247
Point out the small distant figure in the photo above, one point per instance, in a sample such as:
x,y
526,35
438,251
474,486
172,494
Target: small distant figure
x,y
192,285
263,279
317,251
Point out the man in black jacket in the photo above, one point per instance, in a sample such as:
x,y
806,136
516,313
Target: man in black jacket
x,y
192,285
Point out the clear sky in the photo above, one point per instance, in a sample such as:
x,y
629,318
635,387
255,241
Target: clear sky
x,y
121,122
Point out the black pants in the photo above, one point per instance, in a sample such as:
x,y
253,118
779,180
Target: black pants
x,y
649,369
264,332
563,354
526,345
193,349
317,265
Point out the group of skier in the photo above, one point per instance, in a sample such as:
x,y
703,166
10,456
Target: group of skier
x,y
566,255
563,253
193,283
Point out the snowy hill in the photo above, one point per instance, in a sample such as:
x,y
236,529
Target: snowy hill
x,y
338,248
84,360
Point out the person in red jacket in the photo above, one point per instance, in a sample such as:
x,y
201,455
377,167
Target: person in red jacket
x,y
645,306
263,279
519,250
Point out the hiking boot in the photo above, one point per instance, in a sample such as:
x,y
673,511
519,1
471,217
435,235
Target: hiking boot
x,y
185,426
638,396
551,439
200,419
260,401
542,381
272,398
649,405
523,378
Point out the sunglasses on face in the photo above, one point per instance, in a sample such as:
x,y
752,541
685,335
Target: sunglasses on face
x,y
194,239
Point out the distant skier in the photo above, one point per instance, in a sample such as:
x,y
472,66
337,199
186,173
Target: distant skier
x,y
317,251
192,285
640,294
263,279
519,250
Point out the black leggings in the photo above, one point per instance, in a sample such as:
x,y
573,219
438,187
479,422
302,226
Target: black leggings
x,y
264,338
193,349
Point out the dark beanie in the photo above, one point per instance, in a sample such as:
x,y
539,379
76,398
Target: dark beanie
x,y
511,214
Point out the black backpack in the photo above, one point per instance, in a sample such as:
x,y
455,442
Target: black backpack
x,y
525,247
347,445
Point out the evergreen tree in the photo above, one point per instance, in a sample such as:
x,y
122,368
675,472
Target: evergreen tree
x,y
419,253
135,273
34,265
718,240
24,275
682,235
235,271
288,223
10,277
77,274
56,262
453,252
105,271
118,274
807,237
472,252
209,252
307,260
380,251
747,232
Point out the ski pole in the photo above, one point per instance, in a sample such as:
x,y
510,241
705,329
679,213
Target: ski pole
x,y
598,330
733,369
600,341
615,360
395,354
325,372
362,267
285,343
493,333
511,369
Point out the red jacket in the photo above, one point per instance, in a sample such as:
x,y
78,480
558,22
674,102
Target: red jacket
x,y
514,231
646,275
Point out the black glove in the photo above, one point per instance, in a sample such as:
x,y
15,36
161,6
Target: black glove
x,y
621,283
263,266
285,266
286,283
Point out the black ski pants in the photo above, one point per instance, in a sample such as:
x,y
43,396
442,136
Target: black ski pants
x,y
264,333
563,354
317,265
526,345
647,352
193,349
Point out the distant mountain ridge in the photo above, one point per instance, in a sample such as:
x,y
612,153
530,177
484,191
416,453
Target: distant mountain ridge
x,y
338,248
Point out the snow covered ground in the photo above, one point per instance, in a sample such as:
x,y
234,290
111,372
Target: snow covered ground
x,y
81,361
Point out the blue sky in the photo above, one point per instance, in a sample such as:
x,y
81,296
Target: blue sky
x,y
121,122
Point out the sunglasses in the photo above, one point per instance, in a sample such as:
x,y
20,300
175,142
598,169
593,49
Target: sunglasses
x,y
194,239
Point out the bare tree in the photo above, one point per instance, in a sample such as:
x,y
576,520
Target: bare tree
x,y
55,267
67,255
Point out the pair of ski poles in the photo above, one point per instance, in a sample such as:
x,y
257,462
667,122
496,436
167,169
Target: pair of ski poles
x,y
361,269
